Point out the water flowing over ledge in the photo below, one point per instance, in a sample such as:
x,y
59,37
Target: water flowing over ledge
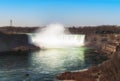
x,y
54,36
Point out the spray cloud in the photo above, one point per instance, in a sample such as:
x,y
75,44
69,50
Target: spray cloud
x,y
53,36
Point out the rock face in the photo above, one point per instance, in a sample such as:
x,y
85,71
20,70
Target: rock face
x,y
108,70
11,42
104,43
26,48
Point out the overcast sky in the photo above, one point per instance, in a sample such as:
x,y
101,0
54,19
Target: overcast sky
x,y
66,12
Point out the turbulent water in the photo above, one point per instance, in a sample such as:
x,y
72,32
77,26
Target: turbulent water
x,y
43,65
56,36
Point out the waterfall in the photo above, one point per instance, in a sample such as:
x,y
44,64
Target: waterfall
x,y
53,36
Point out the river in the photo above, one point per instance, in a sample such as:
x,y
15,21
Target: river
x,y
43,65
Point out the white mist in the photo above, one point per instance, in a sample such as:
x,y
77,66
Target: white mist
x,y
53,36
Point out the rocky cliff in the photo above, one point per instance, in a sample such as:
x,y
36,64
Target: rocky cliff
x,y
108,70
15,42
104,43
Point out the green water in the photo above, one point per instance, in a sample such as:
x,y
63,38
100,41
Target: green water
x,y
59,59
51,62
46,64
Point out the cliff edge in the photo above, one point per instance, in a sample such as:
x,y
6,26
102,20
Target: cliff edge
x,y
15,42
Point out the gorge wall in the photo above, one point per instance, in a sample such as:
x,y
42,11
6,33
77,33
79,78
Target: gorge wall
x,y
107,44
104,43
15,42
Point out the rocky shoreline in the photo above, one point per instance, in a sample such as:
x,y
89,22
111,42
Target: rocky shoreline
x,y
108,70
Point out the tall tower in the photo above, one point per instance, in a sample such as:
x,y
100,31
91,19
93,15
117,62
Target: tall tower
x,y
11,23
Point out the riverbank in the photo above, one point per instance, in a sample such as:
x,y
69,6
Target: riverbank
x,y
106,71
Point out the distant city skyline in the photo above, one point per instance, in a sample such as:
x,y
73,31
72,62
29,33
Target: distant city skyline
x,y
66,12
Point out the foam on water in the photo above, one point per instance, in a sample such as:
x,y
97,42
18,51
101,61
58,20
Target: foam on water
x,y
53,36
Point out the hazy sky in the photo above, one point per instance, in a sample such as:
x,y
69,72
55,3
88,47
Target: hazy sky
x,y
67,12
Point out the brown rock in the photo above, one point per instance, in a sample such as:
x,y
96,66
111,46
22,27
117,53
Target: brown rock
x,y
26,48
107,71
